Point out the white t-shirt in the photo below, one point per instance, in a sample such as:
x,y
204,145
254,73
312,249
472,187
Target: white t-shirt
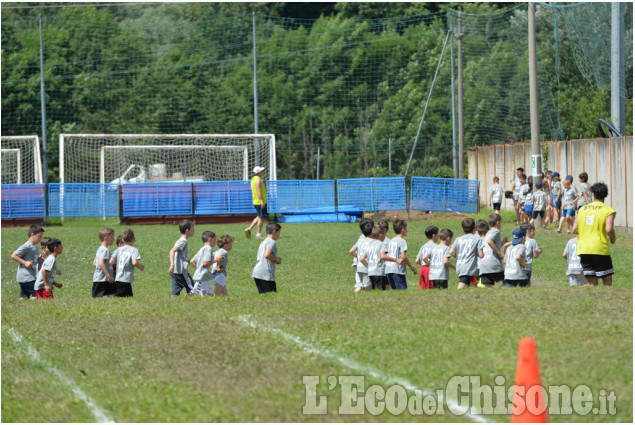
x,y
396,246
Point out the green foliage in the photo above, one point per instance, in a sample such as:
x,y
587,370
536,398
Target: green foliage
x,y
344,77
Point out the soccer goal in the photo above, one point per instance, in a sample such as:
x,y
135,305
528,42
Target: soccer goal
x,y
21,160
95,158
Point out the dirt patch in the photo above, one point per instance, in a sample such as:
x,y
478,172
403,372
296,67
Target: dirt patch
x,y
414,215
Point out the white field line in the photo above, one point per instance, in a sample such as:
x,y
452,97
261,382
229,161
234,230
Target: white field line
x,y
98,413
360,367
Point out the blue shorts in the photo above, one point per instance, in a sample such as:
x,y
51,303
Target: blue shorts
x,y
497,206
529,208
27,289
180,281
397,281
262,212
567,212
535,214
556,204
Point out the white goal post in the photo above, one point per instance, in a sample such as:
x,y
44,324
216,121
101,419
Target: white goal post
x,y
118,163
81,155
21,160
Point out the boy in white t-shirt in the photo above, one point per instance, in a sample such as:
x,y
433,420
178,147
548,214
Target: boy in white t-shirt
x,y
496,195
396,250
439,260
202,261
219,272
515,266
575,270
366,226
264,272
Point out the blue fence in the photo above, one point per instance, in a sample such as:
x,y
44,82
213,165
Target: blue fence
x,y
156,199
23,201
226,197
293,196
83,200
234,197
373,194
434,194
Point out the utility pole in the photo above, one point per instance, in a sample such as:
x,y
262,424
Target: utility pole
x,y
455,161
43,103
459,35
536,151
618,113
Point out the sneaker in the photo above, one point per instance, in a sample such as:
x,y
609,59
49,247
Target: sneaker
x,y
544,228
259,236
559,231
248,233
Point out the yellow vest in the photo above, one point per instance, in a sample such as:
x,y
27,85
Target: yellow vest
x,y
254,193
592,228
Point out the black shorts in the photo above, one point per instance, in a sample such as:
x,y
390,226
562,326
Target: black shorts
x,y
180,281
378,282
467,279
597,265
440,284
102,289
497,206
124,289
265,286
515,283
535,214
491,278
262,212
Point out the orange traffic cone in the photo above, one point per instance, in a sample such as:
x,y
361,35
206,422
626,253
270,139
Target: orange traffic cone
x,y
529,395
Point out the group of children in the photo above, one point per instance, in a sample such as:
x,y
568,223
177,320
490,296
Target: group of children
x,y
380,262
114,272
554,201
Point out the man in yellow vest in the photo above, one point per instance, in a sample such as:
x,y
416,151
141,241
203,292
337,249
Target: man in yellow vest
x,y
259,199
593,224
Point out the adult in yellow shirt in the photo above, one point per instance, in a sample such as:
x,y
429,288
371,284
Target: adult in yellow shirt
x,y
593,224
259,199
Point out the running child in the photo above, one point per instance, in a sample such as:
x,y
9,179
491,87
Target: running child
x,y
372,259
264,272
520,203
439,260
126,258
496,195
575,271
104,276
397,247
540,201
219,271
556,197
366,227
46,276
515,265
27,256
179,260
491,266
465,250
432,233
202,261
570,199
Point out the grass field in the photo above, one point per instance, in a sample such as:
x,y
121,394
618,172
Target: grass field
x,y
154,358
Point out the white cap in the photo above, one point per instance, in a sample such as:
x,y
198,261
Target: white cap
x,y
258,169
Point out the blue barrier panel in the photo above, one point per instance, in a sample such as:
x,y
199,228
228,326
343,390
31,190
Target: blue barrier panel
x,y
83,200
372,194
437,194
156,199
23,201
223,197
295,196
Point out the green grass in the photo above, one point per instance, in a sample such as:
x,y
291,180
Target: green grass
x,y
154,358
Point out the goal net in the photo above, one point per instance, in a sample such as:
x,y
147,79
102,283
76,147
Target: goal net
x,y
94,158
21,161
164,163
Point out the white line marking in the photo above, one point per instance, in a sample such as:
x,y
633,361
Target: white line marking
x,y
98,413
351,364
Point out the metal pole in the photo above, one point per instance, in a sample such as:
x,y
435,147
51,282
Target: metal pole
x,y
455,160
256,144
618,113
318,164
42,96
459,35
434,80
536,151
389,155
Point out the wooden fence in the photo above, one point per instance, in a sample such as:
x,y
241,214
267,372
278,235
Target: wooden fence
x,y
607,160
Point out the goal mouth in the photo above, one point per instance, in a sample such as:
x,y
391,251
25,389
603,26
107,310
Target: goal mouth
x,y
21,160
135,158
